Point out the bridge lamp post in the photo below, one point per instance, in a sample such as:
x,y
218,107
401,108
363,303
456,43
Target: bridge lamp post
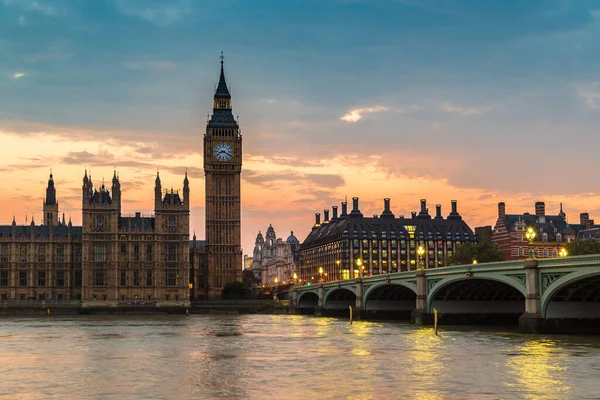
x,y
530,235
320,274
474,261
562,252
295,277
421,253
337,263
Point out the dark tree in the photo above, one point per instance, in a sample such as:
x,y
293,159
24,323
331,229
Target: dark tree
x,y
250,280
582,246
482,252
236,291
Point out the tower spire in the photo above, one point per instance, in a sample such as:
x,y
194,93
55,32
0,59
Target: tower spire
x,y
222,91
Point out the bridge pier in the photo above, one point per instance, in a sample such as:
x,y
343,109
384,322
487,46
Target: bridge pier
x,y
420,316
532,321
358,308
319,308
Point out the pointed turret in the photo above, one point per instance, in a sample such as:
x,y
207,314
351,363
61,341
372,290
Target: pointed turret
x,y
186,191
157,192
50,206
222,91
116,191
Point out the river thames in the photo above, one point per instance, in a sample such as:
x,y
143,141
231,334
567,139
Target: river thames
x,y
285,357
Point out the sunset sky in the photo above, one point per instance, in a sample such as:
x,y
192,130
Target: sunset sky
x,y
478,101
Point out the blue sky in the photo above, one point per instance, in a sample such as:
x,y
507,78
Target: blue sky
x,y
485,101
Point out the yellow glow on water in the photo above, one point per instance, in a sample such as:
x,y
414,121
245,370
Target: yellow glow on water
x,y
424,358
538,370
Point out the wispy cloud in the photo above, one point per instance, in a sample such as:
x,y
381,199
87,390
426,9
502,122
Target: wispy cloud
x,y
18,75
158,13
454,108
357,114
32,5
590,94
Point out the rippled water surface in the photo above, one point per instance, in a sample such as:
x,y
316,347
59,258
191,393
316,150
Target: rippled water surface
x,y
285,357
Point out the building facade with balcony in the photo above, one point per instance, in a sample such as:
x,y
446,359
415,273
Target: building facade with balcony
x,y
350,245
552,232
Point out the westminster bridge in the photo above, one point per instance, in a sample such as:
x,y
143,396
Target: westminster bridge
x,y
555,295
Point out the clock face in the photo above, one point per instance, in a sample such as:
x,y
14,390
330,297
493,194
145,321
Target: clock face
x,y
223,151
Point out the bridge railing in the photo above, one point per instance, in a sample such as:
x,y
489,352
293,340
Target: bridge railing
x,y
585,260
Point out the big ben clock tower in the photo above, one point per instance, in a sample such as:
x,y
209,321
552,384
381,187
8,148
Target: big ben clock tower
x,y
222,168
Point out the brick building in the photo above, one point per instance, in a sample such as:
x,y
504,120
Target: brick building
x,y
552,232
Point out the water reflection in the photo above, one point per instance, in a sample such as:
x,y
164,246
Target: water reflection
x,y
291,357
539,368
425,359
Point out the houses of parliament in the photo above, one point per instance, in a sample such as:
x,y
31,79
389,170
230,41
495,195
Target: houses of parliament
x,y
112,259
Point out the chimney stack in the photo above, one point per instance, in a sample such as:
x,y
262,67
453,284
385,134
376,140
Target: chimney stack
x,y
335,214
501,210
413,214
317,219
584,218
355,210
325,216
387,213
454,213
540,209
344,209
438,211
424,211
590,224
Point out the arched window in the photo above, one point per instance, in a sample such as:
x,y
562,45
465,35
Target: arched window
x,y
544,237
558,237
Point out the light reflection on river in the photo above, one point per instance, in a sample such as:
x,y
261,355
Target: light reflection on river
x,y
285,357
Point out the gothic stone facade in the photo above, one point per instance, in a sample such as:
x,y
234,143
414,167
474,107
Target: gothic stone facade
x,y
222,168
110,257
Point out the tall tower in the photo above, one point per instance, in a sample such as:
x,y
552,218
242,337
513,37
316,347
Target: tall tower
x,y
222,168
50,207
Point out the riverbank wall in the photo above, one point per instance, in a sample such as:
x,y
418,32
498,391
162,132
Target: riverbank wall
x,y
41,307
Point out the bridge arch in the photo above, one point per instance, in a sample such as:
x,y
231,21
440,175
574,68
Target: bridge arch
x,y
495,299
308,299
390,300
339,298
572,295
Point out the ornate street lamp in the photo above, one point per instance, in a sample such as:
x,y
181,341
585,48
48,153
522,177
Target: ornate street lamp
x,y
562,252
530,235
320,274
474,261
421,253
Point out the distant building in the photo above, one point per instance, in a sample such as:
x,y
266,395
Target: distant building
x,y
552,232
350,245
483,233
274,260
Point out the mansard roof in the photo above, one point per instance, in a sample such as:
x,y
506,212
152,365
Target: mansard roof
x,y
551,225
367,228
